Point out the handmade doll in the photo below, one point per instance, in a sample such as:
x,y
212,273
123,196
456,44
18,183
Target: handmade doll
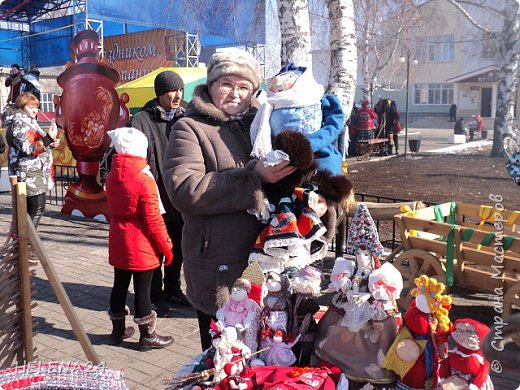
x,y
279,352
422,340
276,314
356,332
229,350
234,379
293,237
295,101
358,328
240,310
466,363
306,288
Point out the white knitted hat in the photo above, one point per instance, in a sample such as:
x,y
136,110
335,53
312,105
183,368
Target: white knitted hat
x,y
129,140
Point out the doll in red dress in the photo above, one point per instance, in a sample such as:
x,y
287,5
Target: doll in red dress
x,y
422,340
466,364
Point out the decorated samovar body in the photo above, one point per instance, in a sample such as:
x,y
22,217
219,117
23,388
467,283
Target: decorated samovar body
x,y
88,107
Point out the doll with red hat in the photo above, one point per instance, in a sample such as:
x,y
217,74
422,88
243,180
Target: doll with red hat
x,y
235,380
466,363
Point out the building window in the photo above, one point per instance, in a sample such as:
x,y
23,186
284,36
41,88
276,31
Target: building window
x,y
437,48
46,102
433,93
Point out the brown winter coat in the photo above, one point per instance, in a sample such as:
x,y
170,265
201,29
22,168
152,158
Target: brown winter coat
x,y
210,178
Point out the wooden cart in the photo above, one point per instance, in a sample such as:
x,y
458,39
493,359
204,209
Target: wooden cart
x,y
465,243
364,149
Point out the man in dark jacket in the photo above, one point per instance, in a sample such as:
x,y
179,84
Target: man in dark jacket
x,y
155,120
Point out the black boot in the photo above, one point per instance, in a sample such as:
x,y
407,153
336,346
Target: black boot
x,y
149,338
119,330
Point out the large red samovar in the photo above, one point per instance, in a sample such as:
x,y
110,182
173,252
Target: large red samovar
x,y
88,107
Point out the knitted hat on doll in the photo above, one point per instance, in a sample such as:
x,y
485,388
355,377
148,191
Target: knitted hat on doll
x,y
363,233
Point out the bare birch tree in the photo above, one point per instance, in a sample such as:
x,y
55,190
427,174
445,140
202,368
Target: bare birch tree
x,y
381,26
295,32
508,53
343,54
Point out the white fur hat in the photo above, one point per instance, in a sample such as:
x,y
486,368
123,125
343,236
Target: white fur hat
x,y
129,140
235,62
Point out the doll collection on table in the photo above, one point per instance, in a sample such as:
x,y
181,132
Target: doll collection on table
x,y
266,335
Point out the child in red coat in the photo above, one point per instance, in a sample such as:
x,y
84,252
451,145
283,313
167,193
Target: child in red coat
x,y
137,237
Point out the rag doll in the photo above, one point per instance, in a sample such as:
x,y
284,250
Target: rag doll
x,y
465,363
276,314
296,102
279,352
234,379
356,332
240,310
422,340
358,328
293,237
306,288
229,350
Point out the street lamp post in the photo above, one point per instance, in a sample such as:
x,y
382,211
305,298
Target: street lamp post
x,y
407,60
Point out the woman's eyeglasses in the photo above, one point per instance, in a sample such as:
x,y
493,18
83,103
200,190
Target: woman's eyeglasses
x,y
226,88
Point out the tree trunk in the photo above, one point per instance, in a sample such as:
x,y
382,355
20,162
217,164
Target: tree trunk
x,y
343,57
295,32
507,75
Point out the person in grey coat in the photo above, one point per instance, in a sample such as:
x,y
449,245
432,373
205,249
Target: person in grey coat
x,y
212,180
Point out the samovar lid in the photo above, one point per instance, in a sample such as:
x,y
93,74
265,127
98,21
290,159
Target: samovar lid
x,y
86,44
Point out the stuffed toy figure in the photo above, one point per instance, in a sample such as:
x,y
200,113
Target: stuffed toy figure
x,y
306,288
229,350
353,334
293,237
279,352
296,102
234,379
359,327
422,340
466,364
277,310
240,310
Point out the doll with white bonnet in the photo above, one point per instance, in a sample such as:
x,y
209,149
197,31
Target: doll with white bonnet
x,y
356,332
306,288
240,310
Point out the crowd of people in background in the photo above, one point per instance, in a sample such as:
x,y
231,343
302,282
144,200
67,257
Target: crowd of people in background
x,y
380,124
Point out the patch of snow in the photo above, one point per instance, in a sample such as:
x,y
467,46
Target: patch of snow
x,y
462,147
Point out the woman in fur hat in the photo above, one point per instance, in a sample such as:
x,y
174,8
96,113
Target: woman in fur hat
x,y
212,180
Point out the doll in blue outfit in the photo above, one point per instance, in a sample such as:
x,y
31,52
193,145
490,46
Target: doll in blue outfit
x,y
295,101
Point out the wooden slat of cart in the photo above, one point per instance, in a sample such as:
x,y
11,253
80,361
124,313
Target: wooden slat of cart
x,y
429,212
471,214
